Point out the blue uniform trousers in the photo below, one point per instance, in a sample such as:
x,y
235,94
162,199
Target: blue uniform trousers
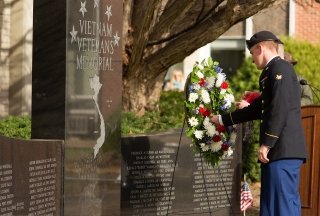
x,y
280,188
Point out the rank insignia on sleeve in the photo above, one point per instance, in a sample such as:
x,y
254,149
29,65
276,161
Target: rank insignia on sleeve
x,y
278,77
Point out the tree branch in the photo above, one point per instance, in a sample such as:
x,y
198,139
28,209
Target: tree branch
x,y
205,32
172,14
174,35
141,27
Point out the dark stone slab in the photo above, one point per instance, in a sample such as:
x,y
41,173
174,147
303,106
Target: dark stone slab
x,y
49,69
161,177
30,177
77,82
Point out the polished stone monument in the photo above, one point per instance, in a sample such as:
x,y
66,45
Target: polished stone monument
x,y
30,177
77,82
162,177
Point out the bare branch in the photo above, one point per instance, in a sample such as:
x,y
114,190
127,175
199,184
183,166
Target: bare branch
x,y
205,32
171,16
188,28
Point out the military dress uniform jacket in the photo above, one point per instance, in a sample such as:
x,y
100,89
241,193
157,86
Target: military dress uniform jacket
x,y
278,107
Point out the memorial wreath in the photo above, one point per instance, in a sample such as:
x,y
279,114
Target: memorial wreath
x,y
208,93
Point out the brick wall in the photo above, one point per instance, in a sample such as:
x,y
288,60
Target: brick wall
x,y
307,25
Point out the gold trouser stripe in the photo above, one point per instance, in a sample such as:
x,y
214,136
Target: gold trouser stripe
x,y
231,118
272,135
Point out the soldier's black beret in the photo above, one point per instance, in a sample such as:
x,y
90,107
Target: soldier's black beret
x,y
262,36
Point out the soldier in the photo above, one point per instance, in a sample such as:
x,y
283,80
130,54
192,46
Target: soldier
x,y
282,146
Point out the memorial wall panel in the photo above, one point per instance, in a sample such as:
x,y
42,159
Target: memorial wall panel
x,y
93,108
30,177
161,177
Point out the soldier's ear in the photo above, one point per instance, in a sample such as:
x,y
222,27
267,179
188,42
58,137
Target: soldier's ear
x,y
259,48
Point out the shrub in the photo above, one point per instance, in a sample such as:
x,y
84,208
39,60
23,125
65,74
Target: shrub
x,y
16,127
170,115
307,55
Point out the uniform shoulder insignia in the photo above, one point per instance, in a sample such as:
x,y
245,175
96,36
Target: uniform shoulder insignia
x,y
278,77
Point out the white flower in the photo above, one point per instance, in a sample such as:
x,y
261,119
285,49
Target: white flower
x,y
211,130
228,100
229,97
211,81
216,146
196,87
205,96
227,153
206,122
204,147
221,77
227,104
193,121
193,97
199,74
223,91
198,134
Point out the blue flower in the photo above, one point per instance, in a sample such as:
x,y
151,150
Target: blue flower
x,y
218,69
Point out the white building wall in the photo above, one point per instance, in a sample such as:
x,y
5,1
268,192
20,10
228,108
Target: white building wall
x,y
4,57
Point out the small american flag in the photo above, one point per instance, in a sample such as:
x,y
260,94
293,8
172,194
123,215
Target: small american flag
x,y
246,197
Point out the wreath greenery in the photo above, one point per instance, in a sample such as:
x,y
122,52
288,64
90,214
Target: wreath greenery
x,y
208,93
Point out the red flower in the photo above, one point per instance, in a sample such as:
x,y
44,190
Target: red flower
x,y
216,138
225,147
251,96
202,82
220,129
224,85
204,111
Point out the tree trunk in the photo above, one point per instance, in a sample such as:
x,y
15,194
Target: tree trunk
x,y
142,93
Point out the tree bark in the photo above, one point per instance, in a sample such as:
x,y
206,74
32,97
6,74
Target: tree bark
x,y
160,33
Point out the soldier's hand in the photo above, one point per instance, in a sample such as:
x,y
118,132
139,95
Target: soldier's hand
x,y
242,104
263,154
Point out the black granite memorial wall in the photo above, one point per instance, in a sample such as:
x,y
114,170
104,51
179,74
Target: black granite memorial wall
x,y
162,177
30,177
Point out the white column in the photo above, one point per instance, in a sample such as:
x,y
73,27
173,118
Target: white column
x,y
248,33
4,58
292,17
21,57
198,55
27,55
